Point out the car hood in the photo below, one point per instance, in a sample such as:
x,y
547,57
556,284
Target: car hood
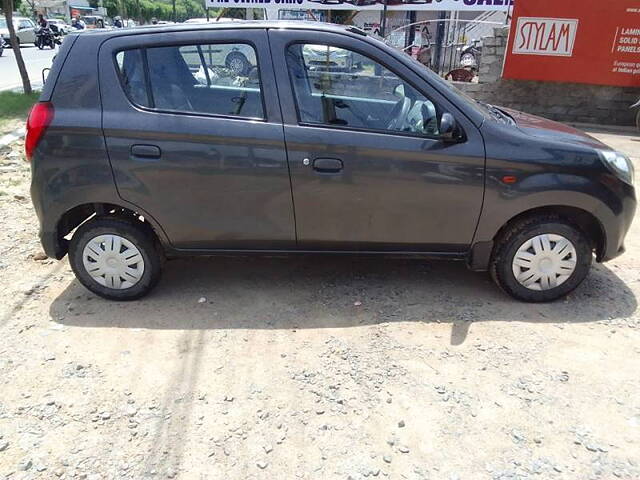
x,y
550,130
4,32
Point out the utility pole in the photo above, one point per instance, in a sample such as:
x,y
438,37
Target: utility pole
x,y
7,6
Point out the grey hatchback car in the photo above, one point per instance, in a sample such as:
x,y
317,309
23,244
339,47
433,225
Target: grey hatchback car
x,y
146,145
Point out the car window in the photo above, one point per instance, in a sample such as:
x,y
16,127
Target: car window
x,y
25,24
219,79
340,87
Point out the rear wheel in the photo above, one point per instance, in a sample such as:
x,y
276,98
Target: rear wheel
x,y
541,259
116,258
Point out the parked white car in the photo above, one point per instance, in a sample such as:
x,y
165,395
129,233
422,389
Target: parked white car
x,y
63,27
24,27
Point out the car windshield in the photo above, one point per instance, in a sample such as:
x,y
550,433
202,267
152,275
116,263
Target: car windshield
x,y
3,23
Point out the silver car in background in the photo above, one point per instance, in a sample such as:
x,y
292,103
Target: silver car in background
x,y
24,27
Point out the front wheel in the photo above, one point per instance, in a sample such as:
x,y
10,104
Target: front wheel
x,y
40,44
541,259
116,258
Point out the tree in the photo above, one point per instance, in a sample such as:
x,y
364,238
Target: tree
x,y
7,6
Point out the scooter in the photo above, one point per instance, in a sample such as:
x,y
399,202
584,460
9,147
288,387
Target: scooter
x,y
470,54
637,105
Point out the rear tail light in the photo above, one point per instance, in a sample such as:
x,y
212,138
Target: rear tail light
x,y
37,123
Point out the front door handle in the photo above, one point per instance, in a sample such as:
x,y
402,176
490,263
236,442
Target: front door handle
x,y
145,152
327,165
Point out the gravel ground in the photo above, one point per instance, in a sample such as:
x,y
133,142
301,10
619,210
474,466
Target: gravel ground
x,y
240,368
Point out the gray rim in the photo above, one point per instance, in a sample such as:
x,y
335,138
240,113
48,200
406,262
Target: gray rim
x,y
113,261
236,64
544,262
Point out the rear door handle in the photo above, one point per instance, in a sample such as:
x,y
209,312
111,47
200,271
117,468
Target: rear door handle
x,y
146,152
327,165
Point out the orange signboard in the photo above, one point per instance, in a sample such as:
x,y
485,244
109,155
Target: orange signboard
x,y
583,41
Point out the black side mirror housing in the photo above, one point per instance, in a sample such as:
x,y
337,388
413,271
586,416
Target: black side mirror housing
x,y
448,128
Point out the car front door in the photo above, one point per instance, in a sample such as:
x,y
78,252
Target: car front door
x,y
369,167
195,144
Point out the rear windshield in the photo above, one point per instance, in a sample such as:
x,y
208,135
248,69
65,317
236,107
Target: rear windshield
x,y
215,79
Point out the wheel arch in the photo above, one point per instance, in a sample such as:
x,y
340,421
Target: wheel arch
x,y
481,252
72,218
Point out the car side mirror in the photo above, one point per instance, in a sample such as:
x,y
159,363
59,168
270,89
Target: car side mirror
x,y
448,128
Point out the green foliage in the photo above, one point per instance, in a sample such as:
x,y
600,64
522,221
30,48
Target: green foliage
x,y
14,106
25,10
145,10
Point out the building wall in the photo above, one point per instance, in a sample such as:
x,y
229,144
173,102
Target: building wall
x,y
567,102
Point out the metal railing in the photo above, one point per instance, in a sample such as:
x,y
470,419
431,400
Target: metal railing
x,y
445,44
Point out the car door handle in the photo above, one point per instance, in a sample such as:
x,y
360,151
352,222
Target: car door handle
x,y
327,165
146,152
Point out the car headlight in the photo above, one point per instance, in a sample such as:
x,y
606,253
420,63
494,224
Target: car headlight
x,y
619,164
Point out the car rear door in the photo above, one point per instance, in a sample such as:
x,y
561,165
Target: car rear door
x,y
195,144
368,168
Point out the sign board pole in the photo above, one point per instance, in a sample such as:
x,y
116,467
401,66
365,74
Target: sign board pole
x,y
383,27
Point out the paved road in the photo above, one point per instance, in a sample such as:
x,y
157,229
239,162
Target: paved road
x,y
35,60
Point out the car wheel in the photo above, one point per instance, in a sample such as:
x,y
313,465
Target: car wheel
x,y
238,63
541,259
116,258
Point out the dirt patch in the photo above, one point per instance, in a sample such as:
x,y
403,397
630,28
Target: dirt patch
x,y
312,368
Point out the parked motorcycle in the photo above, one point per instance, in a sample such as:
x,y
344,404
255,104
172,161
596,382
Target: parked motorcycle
x,y
47,37
637,105
470,54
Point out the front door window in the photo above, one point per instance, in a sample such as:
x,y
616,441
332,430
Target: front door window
x,y
338,87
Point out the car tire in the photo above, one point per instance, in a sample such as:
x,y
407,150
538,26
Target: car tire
x,y
238,63
541,259
116,258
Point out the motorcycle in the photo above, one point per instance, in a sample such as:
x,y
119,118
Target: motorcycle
x,y
637,105
47,37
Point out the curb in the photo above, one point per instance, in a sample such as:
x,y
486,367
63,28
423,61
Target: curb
x,y
623,129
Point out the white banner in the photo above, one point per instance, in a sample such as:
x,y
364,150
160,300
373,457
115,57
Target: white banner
x,y
461,5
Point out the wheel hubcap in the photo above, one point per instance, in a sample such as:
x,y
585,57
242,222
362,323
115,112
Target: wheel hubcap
x,y
544,262
236,65
113,261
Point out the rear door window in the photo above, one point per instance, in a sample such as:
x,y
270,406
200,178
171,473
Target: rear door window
x,y
217,79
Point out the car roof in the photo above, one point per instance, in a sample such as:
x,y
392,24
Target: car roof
x,y
213,25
